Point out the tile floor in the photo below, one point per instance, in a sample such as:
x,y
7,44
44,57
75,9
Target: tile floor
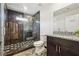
x,y
25,53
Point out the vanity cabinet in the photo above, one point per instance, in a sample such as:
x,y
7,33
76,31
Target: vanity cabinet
x,y
62,47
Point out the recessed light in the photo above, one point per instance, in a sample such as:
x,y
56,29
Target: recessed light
x,y
25,8
21,19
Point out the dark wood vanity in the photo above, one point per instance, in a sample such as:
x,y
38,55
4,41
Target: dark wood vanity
x,y
57,46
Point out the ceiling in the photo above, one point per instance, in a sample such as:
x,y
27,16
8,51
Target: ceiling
x,y
67,9
27,8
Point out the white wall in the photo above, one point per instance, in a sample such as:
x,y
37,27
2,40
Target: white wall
x,y
46,18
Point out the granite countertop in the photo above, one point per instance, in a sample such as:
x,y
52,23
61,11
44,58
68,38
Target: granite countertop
x,y
68,37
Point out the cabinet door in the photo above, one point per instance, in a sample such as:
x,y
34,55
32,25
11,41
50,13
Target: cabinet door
x,y
65,51
51,48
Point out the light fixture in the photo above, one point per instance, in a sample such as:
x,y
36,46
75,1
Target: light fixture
x,y
21,19
25,8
